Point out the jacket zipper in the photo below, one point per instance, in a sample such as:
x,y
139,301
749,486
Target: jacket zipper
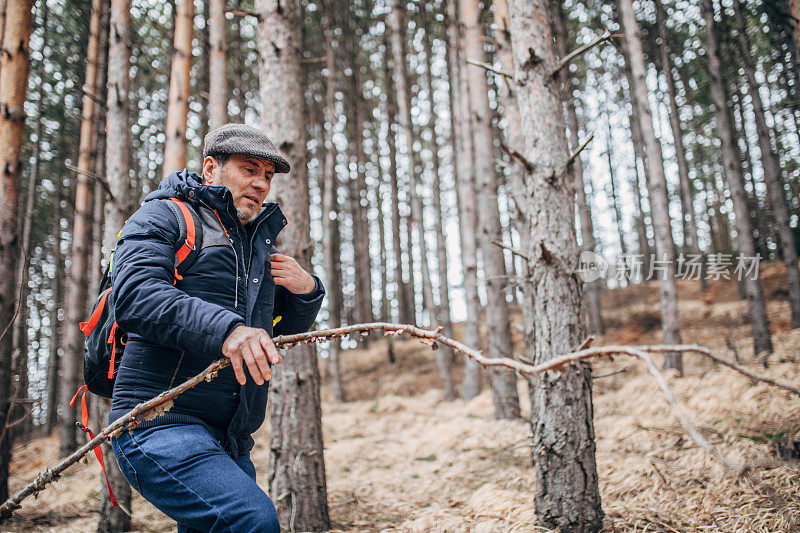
x,y
235,255
250,261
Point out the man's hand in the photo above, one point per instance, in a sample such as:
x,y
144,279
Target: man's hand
x,y
253,346
288,273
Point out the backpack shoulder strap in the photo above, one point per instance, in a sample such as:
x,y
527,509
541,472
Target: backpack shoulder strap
x,y
191,234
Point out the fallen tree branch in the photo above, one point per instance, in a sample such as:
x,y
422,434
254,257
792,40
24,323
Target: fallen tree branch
x,y
243,13
163,402
583,49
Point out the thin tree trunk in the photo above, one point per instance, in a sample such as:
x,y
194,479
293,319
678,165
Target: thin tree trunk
x,y
179,88
773,175
14,68
330,220
592,289
657,188
613,181
687,193
566,493
218,78
201,92
20,332
504,383
461,135
57,284
397,22
358,193
404,294
794,6
118,164
297,464
77,302
762,341
442,315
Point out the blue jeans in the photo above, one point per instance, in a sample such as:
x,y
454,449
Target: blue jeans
x,y
185,472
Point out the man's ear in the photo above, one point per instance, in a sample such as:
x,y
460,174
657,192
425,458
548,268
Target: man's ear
x,y
210,165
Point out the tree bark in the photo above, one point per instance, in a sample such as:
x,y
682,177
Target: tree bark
x,y
397,23
463,174
118,173
592,289
566,494
297,464
14,68
330,219
656,186
217,66
504,384
442,315
20,332
77,302
773,175
762,341
179,88
687,193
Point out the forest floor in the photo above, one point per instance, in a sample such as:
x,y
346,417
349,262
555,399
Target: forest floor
x,y
400,458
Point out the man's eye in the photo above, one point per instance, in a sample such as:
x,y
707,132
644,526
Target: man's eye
x,y
250,170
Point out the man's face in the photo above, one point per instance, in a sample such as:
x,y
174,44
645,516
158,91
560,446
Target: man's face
x,y
247,177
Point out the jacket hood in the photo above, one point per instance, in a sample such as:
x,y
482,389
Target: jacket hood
x,y
189,185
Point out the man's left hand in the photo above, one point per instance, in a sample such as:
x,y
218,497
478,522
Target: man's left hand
x,y
289,274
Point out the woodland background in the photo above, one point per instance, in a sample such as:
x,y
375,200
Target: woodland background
x,y
458,158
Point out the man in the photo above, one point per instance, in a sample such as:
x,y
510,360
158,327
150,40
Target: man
x,y
193,462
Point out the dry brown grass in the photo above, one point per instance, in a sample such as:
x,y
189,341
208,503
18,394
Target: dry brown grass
x,y
399,458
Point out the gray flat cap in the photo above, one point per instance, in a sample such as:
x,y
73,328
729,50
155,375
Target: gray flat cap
x,y
242,139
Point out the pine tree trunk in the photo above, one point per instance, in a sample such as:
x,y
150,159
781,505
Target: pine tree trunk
x,y
358,193
794,6
77,301
613,182
397,22
118,164
504,383
461,135
297,464
20,332
773,175
687,193
330,220
201,90
443,308
592,289
218,77
656,187
404,294
179,88
14,68
57,285
566,494
762,341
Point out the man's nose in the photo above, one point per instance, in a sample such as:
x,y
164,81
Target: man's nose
x,y
261,185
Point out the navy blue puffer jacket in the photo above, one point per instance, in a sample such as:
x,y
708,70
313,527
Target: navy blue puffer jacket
x,y
175,331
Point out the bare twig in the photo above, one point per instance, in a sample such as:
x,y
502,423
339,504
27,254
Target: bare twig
x,y
243,13
583,49
490,68
163,402
578,151
519,157
95,177
512,250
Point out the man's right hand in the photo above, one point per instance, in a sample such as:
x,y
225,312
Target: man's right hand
x,y
254,347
